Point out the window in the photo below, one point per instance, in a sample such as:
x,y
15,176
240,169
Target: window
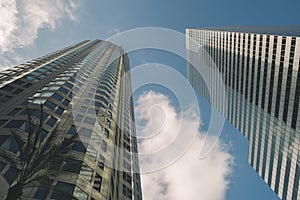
x,y
108,123
14,124
127,177
86,172
7,142
54,88
106,133
51,121
2,165
50,105
35,73
63,90
102,117
92,152
63,190
83,109
127,192
78,146
11,175
72,130
92,111
80,194
104,146
78,118
47,94
69,85
89,120
40,193
97,182
57,97
101,161
18,91
73,166
66,102
7,88
59,111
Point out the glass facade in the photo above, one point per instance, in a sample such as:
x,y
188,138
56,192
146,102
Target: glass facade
x,y
260,69
103,119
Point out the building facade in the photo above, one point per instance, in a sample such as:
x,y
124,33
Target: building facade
x,y
82,90
260,71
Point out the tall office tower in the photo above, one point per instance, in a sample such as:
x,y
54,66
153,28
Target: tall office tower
x,y
260,69
82,90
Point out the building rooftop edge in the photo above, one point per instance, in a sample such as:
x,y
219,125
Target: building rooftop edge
x,y
291,30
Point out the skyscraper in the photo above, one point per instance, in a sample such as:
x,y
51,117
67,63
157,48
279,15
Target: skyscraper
x,y
260,71
82,89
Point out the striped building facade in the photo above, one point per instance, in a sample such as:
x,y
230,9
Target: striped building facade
x,y
260,71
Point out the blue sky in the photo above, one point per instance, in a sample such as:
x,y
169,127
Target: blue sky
x,y
75,21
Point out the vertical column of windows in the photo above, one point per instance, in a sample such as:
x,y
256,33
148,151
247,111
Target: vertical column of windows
x,y
248,67
258,70
272,73
289,80
296,101
253,68
252,128
280,74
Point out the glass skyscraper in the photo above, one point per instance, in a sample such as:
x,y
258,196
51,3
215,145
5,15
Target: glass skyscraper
x,y
260,71
82,90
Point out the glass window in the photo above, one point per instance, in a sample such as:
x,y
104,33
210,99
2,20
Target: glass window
x,y
7,142
40,193
50,105
54,88
72,130
127,177
14,124
63,90
92,152
35,73
59,111
104,146
63,190
83,109
97,182
80,194
11,175
107,123
47,94
57,97
89,120
127,192
17,91
7,88
69,85
73,166
86,172
78,118
2,165
101,161
66,102
78,146
51,121
106,133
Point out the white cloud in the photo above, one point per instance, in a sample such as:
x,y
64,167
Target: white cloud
x,y
20,20
187,177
